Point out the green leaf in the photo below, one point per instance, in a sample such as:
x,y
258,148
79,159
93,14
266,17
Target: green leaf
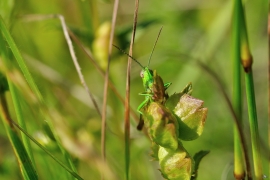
x,y
175,164
174,99
197,159
192,116
187,89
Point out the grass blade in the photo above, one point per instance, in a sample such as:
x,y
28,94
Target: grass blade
x,y
74,174
31,84
25,163
16,102
20,60
18,110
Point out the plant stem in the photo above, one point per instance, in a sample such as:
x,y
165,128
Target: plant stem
x,y
127,98
239,164
247,60
253,125
105,92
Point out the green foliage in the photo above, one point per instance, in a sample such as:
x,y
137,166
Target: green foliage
x,y
197,159
192,31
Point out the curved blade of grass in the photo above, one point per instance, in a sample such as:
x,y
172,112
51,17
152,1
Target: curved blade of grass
x,y
20,60
4,54
25,163
18,111
22,150
31,84
74,174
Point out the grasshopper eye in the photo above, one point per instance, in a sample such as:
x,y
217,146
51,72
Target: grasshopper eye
x,y
142,73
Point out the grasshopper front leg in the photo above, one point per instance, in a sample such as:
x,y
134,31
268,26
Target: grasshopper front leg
x,y
142,105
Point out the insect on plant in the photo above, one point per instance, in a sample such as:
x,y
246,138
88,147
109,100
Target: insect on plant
x,y
169,120
147,76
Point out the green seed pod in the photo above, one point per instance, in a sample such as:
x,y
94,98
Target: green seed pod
x,y
192,116
162,126
101,44
175,164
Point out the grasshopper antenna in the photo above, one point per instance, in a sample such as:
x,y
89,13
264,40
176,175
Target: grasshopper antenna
x,y
154,46
128,55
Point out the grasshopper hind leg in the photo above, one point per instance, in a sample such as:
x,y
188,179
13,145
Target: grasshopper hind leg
x,y
141,123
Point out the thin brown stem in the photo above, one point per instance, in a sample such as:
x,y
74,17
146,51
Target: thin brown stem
x,y
238,126
127,99
71,49
93,61
88,53
105,93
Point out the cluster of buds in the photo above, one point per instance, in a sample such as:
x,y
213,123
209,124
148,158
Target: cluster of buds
x,y
169,120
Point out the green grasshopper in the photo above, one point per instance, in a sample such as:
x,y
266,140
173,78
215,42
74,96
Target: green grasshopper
x,y
151,82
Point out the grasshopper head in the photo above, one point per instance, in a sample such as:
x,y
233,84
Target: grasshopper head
x,y
147,77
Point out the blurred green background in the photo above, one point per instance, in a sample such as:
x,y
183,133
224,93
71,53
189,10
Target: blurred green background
x,y
192,31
